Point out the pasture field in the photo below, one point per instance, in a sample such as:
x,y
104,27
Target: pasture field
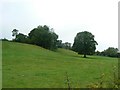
x,y
30,66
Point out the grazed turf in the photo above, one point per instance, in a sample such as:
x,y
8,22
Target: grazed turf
x,y
30,66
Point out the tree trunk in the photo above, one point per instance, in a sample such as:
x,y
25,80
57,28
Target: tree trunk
x,y
84,55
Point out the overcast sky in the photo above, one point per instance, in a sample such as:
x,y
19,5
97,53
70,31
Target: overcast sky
x,y
67,17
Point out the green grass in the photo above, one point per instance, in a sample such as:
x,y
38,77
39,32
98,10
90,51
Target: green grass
x,y
29,66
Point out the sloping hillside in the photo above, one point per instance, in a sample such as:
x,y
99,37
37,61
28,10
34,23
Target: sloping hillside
x,y
31,66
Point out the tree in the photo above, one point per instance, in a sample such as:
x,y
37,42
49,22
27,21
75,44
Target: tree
x,y
4,39
84,43
21,38
67,45
53,40
111,52
43,36
118,54
97,53
59,43
14,32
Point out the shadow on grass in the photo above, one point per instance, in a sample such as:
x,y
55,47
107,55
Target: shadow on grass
x,y
88,57
91,57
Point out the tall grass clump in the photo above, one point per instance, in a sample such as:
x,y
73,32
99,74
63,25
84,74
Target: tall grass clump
x,y
112,82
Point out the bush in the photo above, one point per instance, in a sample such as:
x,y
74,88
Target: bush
x,y
4,39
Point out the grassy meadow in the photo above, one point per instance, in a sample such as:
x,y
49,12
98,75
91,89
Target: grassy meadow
x,y
30,66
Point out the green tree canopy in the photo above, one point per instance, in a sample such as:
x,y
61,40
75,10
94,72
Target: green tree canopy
x,y
66,45
59,43
43,36
21,38
14,32
111,52
84,43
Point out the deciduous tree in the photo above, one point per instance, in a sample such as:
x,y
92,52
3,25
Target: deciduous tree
x,y
43,36
84,43
14,32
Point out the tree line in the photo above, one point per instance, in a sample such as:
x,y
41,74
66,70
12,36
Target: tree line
x,y
44,36
110,52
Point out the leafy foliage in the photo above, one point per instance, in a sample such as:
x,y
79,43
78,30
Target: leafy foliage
x,y
59,43
66,45
42,36
4,39
21,38
14,32
84,43
110,52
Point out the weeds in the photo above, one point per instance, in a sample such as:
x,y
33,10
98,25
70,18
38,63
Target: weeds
x,y
113,82
99,84
67,81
